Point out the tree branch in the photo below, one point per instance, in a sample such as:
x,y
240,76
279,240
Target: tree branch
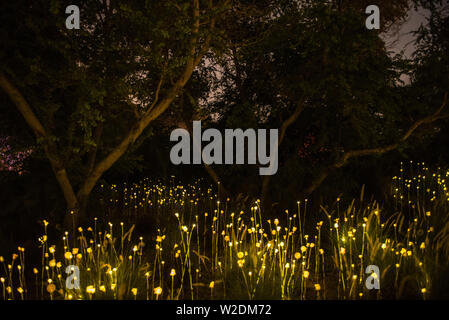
x,y
152,113
287,123
291,119
376,151
33,122
92,156
23,107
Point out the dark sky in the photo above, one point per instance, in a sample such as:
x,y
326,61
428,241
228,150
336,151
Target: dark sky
x,y
402,40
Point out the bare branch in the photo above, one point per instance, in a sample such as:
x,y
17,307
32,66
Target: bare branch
x,y
376,151
364,152
94,149
291,119
50,150
287,123
23,107
158,89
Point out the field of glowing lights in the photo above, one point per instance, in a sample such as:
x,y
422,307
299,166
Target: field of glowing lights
x,y
196,245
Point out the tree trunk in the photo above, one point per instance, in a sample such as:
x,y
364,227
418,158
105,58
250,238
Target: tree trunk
x,y
76,204
49,148
287,123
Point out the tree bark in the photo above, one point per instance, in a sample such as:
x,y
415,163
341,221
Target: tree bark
x,y
287,123
40,133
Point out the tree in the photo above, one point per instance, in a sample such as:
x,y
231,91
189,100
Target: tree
x,y
315,72
88,95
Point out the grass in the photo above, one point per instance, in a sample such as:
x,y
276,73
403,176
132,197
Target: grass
x,y
201,248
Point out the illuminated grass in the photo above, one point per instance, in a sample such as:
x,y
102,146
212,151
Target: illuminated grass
x,y
207,249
